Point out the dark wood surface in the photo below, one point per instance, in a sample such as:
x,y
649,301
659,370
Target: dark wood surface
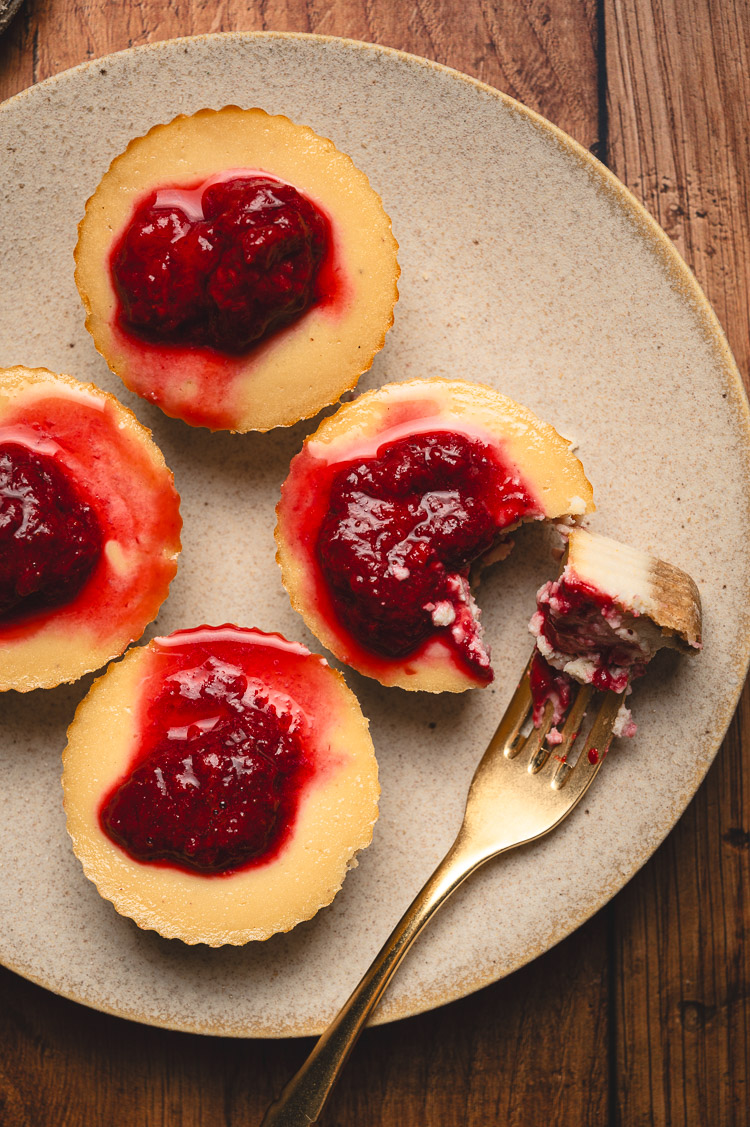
x,y
642,1016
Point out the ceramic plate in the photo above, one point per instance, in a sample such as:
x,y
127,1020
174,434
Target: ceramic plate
x,y
524,265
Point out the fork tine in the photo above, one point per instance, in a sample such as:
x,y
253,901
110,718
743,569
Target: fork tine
x,y
533,745
572,724
579,775
506,738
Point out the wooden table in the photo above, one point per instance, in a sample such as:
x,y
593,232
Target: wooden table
x,y
642,1016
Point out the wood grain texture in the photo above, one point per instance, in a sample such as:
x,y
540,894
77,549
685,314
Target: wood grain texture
x,y
682,962
677,95
642,1016
525,1051
545,54
678,87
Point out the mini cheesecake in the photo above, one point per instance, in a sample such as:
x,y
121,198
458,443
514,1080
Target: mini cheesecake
x,y
89,528
219,784
236,269
391,502
600,623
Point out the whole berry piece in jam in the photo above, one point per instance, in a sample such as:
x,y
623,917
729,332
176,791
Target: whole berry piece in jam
x,y
222,265
217,776
50,538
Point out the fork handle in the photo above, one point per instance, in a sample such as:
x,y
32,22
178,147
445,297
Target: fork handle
x,y
303,1098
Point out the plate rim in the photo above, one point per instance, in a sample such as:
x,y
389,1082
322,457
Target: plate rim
x,y
683,279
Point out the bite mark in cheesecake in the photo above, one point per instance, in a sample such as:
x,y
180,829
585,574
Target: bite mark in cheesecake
x,y
393,501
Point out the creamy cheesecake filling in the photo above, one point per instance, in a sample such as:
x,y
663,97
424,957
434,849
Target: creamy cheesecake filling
x,y
89,528
236,269
583,633
408,492
602,621
239,767
583,636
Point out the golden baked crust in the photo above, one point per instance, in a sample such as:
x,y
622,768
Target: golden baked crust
x,y
334,821
547,467
304,367
112,456
641,584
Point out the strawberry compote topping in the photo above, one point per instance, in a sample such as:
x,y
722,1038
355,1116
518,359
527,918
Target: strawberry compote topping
x,y
50,537
401,533
217,777
222,265
577,621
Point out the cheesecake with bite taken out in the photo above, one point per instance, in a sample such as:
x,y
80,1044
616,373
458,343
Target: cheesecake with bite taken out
x,y
89,528
390,503
600,623
219,784
236,269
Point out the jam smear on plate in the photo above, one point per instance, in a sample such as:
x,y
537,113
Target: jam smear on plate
x,y
50,537
222,265
216,780
400,535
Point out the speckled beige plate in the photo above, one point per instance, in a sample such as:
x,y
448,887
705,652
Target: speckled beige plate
x,y
525,265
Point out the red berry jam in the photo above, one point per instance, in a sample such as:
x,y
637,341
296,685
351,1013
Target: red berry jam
x,y
577,620
401,532
222,265
50,537
548,685
216,780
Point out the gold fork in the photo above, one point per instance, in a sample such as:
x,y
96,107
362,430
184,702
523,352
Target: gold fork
x,y
520,791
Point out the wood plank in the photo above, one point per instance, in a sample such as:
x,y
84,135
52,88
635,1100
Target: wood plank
x,y
548,61
678,88
683,961
529,1050
678,80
